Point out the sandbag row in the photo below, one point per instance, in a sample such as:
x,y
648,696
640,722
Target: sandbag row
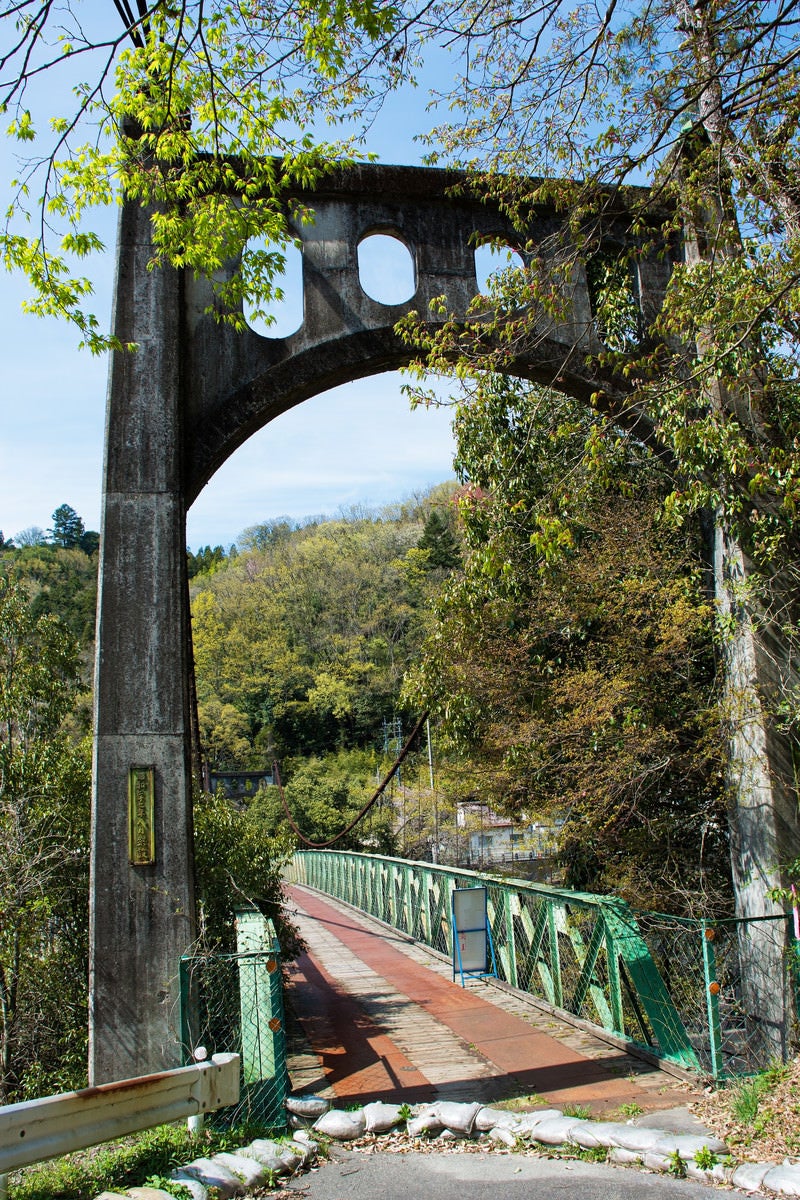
x,y
693,1156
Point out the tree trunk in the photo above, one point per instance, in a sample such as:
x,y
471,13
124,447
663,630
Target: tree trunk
x,y
763,805
752,611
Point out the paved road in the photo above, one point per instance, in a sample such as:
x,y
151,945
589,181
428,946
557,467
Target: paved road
x,y
351,1175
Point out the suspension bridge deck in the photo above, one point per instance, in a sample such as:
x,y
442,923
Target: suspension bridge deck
x,y
382,1018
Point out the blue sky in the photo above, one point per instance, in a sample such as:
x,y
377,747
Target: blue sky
x,y
357,445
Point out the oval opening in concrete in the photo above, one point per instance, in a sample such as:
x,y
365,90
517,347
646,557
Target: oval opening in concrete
x,y
386,269
282,314
492,262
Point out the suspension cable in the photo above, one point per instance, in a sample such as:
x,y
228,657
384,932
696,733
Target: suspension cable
x,y
372,800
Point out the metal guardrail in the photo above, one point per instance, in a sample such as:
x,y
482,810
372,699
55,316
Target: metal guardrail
x,y
669,985
39,1129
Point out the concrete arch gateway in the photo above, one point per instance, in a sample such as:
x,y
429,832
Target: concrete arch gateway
x,y
177,409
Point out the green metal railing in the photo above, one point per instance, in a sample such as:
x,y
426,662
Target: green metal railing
x,y
670,985
234,1002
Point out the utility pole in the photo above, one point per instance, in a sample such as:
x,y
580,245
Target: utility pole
x,y
435,847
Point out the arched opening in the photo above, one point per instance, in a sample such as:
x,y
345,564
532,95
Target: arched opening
x,y
356,445
282,315
386,269
327,501
614,297
494,261
197,422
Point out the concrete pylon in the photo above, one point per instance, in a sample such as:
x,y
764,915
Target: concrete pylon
x,y
142,904
758,672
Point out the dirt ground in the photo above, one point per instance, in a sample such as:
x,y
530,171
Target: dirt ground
x,y
759,1121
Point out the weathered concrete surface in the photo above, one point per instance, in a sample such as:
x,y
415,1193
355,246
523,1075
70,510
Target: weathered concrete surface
x,y
178,408
757,673
141,917
242,381
349,1175
764,826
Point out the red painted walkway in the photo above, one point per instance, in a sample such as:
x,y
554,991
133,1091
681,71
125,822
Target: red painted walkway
x,y
387,1024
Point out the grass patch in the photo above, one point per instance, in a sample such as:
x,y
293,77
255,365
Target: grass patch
x,y
521,1100
677,1166
577,1110
121,1165
757,1116
705,1159
747,1096
590,1154
163,1183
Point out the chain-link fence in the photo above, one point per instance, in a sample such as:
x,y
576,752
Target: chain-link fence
x,y
234,1003
718,998
734,983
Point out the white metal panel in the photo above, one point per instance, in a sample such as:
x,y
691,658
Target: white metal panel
x,y
39,1129
469,914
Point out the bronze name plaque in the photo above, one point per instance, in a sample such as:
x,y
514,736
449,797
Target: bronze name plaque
x,y
141,824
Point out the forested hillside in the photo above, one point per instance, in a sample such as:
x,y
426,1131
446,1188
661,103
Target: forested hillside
x,y
557,627
59,570
570,667
302,638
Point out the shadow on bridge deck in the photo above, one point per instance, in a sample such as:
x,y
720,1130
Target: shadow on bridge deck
x,y
383,1019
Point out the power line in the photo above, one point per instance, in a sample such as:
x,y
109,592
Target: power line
x,y
373,798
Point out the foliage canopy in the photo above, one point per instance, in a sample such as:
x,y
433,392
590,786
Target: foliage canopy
x,y
301,641
44,828
700,102
562,102
203,110
572,662
556,102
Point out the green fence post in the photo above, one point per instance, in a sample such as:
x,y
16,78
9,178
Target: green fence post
x,y
510,947
408,905
712,1001
261,1007
665,1020
537,928
614,980
555,955
390,904
588,984
426,915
